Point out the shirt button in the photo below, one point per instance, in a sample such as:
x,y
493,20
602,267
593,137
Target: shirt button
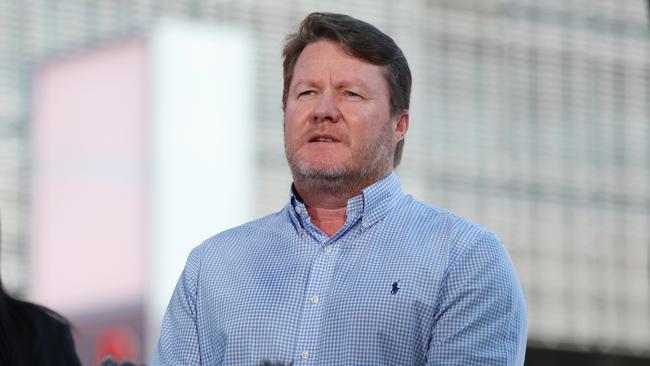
x,y
297,209
328,249
304,355
314,300
364,225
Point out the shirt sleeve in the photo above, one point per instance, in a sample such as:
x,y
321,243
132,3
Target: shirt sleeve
x,y
482,315
179,340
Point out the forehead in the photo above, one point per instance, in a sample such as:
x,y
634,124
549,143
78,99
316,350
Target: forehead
x,y
324,57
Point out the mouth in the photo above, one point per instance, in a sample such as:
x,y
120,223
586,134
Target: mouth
x,y
323,138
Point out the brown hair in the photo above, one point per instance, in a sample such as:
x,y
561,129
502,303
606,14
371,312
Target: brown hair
x,y
361,40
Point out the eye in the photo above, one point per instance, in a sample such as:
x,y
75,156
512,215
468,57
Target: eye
x,y
306,93
348,93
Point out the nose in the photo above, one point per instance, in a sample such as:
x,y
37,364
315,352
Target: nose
x,y
325,110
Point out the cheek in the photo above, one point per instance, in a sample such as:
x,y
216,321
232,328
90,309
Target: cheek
x,y
366,125
292,131
293,117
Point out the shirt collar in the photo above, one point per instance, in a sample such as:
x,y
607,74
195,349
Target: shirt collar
x,y
371,205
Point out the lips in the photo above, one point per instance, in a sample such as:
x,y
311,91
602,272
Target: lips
x,y
323,138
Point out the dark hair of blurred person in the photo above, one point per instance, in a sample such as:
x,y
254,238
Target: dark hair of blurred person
x,y
33,335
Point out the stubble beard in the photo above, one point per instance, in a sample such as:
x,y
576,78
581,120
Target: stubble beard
x,y
370,165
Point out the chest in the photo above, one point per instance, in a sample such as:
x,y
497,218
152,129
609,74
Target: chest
x,y
368,290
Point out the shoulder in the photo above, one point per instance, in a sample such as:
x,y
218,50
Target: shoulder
x,y
272,224
456,233
36,319
472,253
44,335
454,244
243,238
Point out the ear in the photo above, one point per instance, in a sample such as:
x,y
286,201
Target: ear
x,y
401,126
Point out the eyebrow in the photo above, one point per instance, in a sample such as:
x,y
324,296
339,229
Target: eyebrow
x,y
304,81
345,83
355,82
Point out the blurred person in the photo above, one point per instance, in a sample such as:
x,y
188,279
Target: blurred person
x,y
109,361
352,270
33,335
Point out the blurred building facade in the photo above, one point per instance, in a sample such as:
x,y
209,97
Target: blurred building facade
x,y
531,118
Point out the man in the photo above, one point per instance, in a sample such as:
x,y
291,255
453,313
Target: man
x,y
352,271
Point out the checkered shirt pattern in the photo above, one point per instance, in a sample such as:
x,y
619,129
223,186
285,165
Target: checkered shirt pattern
x,y
401,283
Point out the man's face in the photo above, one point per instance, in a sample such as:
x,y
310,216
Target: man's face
x,y
337,122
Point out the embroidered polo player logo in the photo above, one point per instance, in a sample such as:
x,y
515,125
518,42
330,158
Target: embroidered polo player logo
x,y
395,288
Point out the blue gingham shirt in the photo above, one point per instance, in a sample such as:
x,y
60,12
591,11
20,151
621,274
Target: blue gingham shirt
x,y
401,283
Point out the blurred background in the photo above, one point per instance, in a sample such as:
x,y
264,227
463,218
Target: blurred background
x,y
132,130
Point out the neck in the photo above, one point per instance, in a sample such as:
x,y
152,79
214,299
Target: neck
x,y
327,207
329,220
326,200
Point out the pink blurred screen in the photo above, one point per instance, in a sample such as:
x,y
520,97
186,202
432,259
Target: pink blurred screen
x,y
88,197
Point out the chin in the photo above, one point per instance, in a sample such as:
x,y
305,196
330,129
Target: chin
x,y
321,170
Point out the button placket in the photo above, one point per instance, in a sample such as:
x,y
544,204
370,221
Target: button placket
x,y
320,277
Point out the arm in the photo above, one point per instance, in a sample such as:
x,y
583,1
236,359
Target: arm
x,y
179,341
481,317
